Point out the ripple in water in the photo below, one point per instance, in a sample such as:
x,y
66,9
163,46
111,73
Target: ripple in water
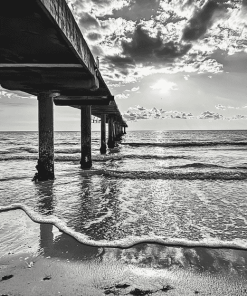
x,y
174,195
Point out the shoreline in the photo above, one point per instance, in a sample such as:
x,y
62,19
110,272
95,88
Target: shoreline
x,y
37,259
121,243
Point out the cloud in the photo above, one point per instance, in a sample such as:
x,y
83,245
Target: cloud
x,y
122,96
220,107
87,22
135,88
140,113
98,7
97,51
210,115
201,21
120,61
238,117
136,10
14,94
231,107
16,98
94,36
136,38
148,49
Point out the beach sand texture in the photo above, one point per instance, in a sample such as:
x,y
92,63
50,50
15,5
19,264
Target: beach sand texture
x,y
39,259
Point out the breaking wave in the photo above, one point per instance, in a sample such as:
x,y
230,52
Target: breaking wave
x,y
206,166
100,158
176,175
129,241
187,144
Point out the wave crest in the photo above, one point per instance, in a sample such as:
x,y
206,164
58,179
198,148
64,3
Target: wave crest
x,y
174,175
125,242
186,144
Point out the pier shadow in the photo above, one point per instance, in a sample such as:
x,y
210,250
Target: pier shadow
x,y
53,242
46,200
59,245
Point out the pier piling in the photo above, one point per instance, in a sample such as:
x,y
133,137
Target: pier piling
x,y
103,138
111,141
86,157
45,166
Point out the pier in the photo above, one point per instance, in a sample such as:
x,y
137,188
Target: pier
x,y
43,53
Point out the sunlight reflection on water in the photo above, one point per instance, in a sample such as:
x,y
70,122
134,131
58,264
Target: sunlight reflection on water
x,y
193,193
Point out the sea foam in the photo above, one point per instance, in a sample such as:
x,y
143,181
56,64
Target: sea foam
x,y
129,241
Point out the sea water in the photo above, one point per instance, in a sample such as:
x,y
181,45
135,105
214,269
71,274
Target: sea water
x,y
183,188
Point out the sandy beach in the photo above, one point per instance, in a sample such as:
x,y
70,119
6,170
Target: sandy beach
x,y
39,259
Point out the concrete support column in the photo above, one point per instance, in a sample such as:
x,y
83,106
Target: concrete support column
x,y
119,131
45,166
114,130
103,138
111,141
86,157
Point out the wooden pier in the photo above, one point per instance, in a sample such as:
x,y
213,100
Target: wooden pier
x,y
43,53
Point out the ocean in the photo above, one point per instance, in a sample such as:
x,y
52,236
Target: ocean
x,y
183,188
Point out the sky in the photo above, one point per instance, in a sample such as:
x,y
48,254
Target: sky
x,y
171,65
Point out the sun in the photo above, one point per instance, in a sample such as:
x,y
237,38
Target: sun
x,y
164,86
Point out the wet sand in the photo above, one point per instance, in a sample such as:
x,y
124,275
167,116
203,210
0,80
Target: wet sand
x,y
38,259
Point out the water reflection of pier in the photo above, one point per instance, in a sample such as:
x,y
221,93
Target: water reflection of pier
x,y
60,244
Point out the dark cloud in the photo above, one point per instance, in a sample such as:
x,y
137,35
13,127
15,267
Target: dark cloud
x,y
124,72
94,36
96,50
201,21
172,50
87,21
141,45
147,49
120,62
101,2
188,3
